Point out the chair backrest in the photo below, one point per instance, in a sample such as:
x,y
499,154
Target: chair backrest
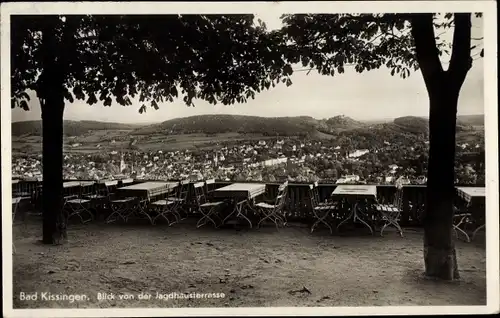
x,y
88,188
183,189
398,198
281,196
111,187
199,193
316,192
312,195
209,186
106,187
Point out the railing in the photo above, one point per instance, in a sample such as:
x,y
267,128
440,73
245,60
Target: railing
x,y
298,205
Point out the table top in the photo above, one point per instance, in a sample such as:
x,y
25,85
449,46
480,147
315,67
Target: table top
x,y
71,184
473,191
469,193
355,190
242,187
147,186
250,190
15,181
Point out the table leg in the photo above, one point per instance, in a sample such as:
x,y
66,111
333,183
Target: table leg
x,y
230,214
206,217
349,216
356,217
239,211
142,209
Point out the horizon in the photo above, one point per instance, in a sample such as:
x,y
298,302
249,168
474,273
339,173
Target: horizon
x,y
387,119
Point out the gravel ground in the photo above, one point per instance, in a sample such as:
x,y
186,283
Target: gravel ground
x,y
264,267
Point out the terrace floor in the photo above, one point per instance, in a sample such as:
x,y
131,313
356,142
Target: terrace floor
x,y
262,267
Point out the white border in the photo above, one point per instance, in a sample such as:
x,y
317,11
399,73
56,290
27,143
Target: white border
x,y
491,125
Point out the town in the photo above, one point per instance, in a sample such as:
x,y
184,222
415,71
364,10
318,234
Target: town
x,y
291,158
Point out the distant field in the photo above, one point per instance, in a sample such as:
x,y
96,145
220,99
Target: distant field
x,y
150,143
156,142
322,135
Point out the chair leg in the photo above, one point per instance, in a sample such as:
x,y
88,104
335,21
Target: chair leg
x,y
477,230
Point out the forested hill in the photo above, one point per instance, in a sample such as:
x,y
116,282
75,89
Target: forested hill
x,y
270,126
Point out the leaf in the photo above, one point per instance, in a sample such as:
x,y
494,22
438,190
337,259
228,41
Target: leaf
x,y
142,109
68,96
92,99
481,54
78,91
287,70
154,105
107,101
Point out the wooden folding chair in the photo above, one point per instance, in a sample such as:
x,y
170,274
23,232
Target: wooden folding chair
x,y
274,212
166,207
120,209
208,209
210,187
321,210
101,197
390,212
460,219
79,205
180,199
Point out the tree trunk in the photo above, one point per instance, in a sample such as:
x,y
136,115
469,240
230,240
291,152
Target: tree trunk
x,y
443,88
51,91
54,223
439,248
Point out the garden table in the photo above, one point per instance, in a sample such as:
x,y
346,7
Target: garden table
x,y
144,191
71,184
242,194
354,194
475,199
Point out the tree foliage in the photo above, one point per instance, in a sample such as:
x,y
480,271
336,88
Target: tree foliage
x,y
156,59
216,58
331,42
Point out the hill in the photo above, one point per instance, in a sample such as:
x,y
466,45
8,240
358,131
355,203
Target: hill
x,y
344,122
472,120
418,125
71,128
412,124
267,126
219,124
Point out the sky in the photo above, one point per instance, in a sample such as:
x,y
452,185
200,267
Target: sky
x,y
372,95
